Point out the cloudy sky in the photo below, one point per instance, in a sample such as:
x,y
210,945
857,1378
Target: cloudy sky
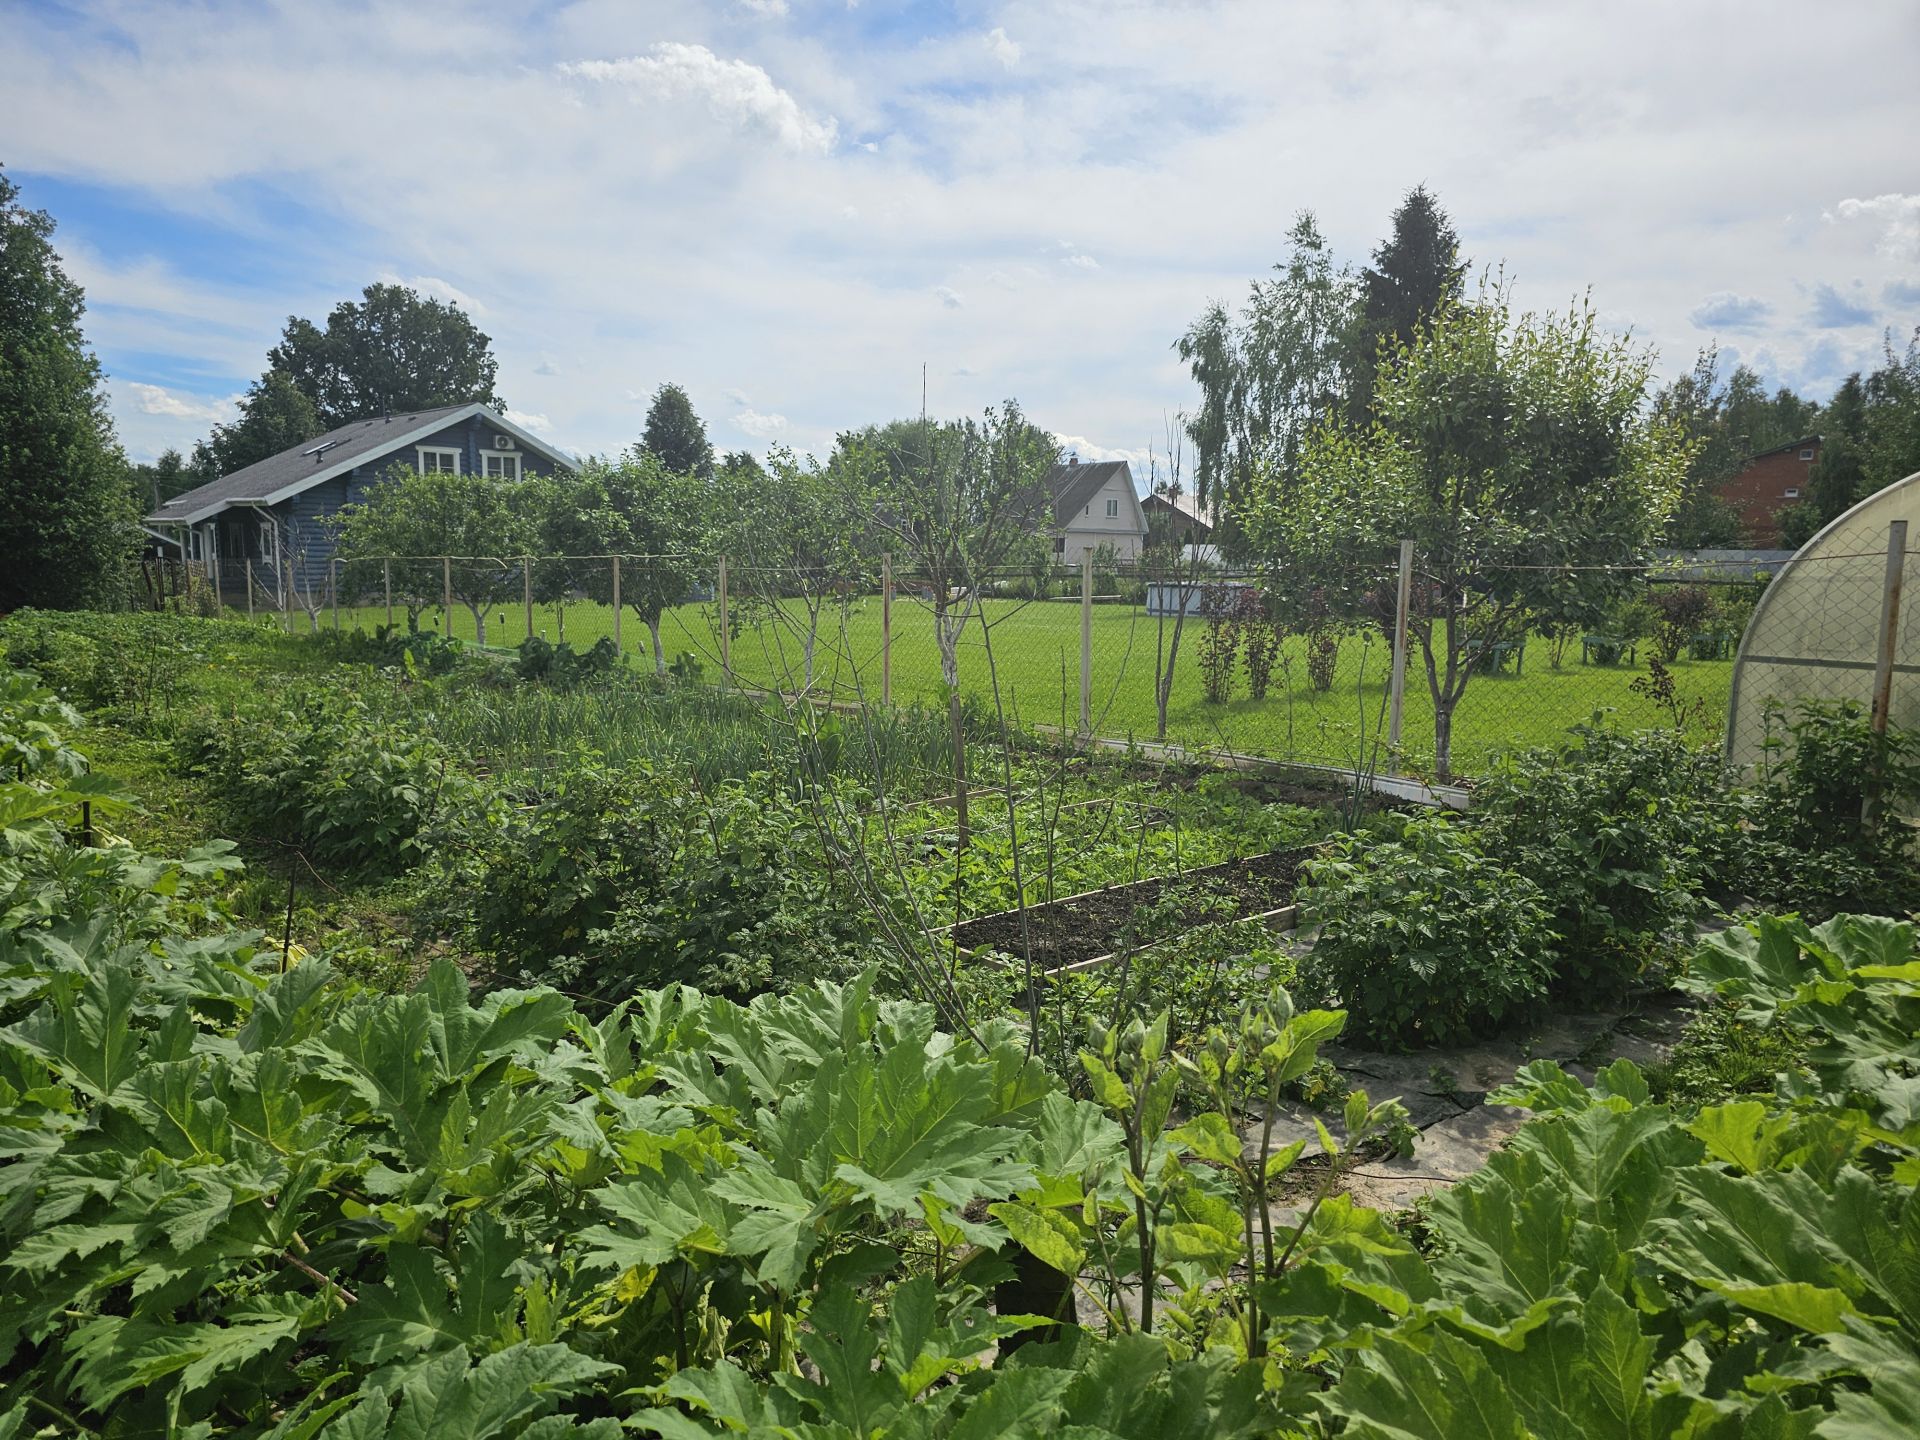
x,y
791,206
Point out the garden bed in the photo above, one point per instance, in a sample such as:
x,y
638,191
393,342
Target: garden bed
x,y
1090,926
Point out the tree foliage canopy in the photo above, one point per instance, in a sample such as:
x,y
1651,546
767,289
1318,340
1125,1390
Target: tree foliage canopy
x,y
675,434
1514,451
66,511
392,350
275,415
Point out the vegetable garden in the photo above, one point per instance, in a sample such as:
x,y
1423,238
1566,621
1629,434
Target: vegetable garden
x,y
396,1041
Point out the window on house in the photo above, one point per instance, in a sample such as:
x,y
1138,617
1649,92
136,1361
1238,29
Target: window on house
x,y
1113,509
1793,494
500,467
438,460
1806,454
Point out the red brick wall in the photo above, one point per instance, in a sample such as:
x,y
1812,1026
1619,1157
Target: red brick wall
x,y
1759,492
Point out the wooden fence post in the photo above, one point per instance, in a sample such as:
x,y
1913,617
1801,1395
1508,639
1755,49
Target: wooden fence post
x,y
1883,658
386,584
526,589
333,590
1086,642
726,634
250,587
886,628
1396,706
446,596
616,605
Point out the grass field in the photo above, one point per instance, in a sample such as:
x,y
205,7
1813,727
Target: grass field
x,y
1034,652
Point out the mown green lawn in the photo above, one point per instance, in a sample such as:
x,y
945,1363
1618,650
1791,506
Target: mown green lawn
x,y
1034,653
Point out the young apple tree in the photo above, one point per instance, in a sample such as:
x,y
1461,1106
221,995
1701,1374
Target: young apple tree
x,y
1515,451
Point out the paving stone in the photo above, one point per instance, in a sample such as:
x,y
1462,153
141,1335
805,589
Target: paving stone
x,y
1442,1155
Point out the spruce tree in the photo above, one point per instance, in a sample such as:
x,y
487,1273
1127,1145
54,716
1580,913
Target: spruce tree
x,y
1415,271
66,508
676,436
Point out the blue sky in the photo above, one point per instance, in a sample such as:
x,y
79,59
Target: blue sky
x,y
791,206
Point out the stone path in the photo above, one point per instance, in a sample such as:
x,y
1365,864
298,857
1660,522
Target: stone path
x,y
1445,1092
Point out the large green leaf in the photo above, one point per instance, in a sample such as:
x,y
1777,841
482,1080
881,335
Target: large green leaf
x,y
1441,1390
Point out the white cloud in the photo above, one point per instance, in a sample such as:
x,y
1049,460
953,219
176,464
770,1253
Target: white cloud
x,y
1080,261
949,297
1898,214
761,427
737,397
1084,450
1834,311
546,366
773,9
435,288
158,400
1003,49
735,90
539,424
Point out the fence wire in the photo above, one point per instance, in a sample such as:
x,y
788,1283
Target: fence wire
x,y
1275,667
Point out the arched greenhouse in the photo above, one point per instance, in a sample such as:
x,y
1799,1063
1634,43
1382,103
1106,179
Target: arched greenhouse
x,y
1821,629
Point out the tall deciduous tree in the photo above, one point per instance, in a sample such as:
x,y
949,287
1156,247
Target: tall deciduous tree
x,y
675,435
1269,373
958,500
484,524
66,511
156,483
1515,453
392,350
275,415
1416,270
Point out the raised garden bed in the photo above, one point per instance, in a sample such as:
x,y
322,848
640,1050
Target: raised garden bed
x,y
1092,926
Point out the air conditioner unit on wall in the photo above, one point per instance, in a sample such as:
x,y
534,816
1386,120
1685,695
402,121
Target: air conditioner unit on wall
x,y
503,442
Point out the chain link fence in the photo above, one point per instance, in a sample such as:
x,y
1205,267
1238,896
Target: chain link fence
x,y
1188,662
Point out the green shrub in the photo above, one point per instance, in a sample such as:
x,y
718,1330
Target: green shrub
x,y
1424,940
1830,813
1622,832
604,880
561,664
325,776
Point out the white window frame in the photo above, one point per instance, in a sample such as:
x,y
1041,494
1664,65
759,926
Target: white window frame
x,y
1806,454
420,453
1113,508
1793,493
487,457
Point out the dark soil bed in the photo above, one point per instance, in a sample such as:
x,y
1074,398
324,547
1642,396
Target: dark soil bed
x,y
1085,926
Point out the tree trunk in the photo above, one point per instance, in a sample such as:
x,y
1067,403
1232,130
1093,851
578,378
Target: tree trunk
x,y
813,634
947,634
479,623
659,653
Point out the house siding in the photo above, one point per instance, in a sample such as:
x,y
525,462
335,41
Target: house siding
x,y
1759,492
1093,527
300,516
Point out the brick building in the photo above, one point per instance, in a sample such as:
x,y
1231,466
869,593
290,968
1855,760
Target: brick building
x,y
1767,484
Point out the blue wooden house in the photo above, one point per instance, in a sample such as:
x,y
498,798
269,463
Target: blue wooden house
x,y
268,515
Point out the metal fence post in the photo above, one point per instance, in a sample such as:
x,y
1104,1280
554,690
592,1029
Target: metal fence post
x,y
526,590
886,628
1398,703
446,596
386,585
616,604
250,587
1086,642
726,635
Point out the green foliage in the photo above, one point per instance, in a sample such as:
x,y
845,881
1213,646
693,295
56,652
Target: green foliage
x,y
134,665
1514,451
66,513
1828,814
275,415
1425,940
1623,832
676,436
328,778
388,352
606,880
563,665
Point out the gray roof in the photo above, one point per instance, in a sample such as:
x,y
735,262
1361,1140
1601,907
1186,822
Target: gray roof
x,y
324,456
1072,486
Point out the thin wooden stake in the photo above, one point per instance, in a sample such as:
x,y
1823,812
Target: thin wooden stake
x,y
386,584
250,587
616,605
526,589
446,595
1086,642
726,636
333,590
886,628
1397,704
961,831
